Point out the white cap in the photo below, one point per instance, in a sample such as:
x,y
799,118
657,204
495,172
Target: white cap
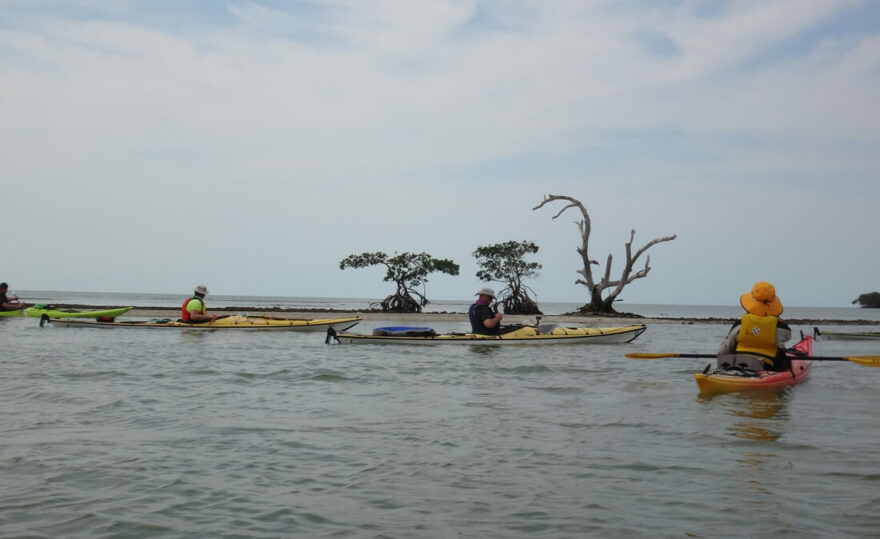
x,y
486,292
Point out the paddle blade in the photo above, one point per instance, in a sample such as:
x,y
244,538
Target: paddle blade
x,y
866,361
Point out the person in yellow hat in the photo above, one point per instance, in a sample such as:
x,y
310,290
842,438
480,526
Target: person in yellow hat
x,y
757,341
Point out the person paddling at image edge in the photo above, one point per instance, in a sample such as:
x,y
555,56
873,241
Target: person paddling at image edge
x,y
9,304
757,341
484,319
193,309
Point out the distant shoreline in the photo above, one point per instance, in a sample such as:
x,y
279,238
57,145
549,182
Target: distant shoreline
x,y
374,314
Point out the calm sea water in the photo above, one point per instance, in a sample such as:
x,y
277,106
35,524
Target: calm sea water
x,y
124,433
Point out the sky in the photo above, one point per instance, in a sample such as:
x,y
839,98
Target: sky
x,y
152,145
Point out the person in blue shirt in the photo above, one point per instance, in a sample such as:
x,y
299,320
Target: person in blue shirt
x,y
484,319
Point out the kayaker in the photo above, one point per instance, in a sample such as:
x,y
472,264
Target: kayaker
x,y
193,309
757,341
9,304
484,319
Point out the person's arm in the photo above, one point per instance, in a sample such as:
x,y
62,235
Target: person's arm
x,y
199,317
12,304
490,323
729,344
195,312
783,334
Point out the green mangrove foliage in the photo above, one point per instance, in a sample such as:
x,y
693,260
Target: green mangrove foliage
x,y
407,271
505,263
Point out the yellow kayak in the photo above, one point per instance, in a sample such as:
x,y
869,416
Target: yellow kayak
x,y
225,322
728,381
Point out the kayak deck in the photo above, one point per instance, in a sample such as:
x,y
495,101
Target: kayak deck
x,y
57,313
523,335
728,381
236,322
846,335
38,312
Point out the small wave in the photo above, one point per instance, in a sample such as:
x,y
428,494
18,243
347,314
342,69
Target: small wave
x,y
328,377
253,375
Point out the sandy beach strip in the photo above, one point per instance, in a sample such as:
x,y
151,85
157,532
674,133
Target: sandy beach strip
x,y
412,317
574,319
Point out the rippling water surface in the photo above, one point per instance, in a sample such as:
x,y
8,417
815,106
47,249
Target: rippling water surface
x,y
127,433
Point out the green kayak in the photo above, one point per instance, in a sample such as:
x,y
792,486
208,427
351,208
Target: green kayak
x,y
39,310
846,335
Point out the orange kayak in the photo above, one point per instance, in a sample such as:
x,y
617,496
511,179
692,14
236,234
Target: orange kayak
x,y
727,381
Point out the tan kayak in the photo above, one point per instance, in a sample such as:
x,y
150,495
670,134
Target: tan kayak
x,y
225,322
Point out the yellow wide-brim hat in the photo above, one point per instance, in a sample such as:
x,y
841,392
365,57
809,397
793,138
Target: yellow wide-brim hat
x,y
762,300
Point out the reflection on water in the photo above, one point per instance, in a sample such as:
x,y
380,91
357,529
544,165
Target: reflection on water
x,y
485,350
753,431
761,415
758,417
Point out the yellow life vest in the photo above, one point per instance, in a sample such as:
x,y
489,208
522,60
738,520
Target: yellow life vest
x,y
757,335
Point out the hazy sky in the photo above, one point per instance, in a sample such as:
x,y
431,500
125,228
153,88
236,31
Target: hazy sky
x,y
152,145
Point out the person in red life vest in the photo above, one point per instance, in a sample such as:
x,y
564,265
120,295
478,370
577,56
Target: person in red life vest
x,y
9,304
757,341
193,309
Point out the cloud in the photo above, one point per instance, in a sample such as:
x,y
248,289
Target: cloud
x,y
263,130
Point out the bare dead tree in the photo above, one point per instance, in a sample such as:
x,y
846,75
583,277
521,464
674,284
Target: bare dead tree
x,y
598,304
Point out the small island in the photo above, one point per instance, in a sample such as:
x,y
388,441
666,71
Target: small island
x,y
871,300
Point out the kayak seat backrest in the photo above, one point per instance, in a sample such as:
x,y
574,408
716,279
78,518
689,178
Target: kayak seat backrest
x,y
547,328
404,331
735,371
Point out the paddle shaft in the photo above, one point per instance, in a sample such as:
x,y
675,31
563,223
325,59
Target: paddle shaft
x,y
867,361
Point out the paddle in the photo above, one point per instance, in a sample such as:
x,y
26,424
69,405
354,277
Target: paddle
x,y
866,361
